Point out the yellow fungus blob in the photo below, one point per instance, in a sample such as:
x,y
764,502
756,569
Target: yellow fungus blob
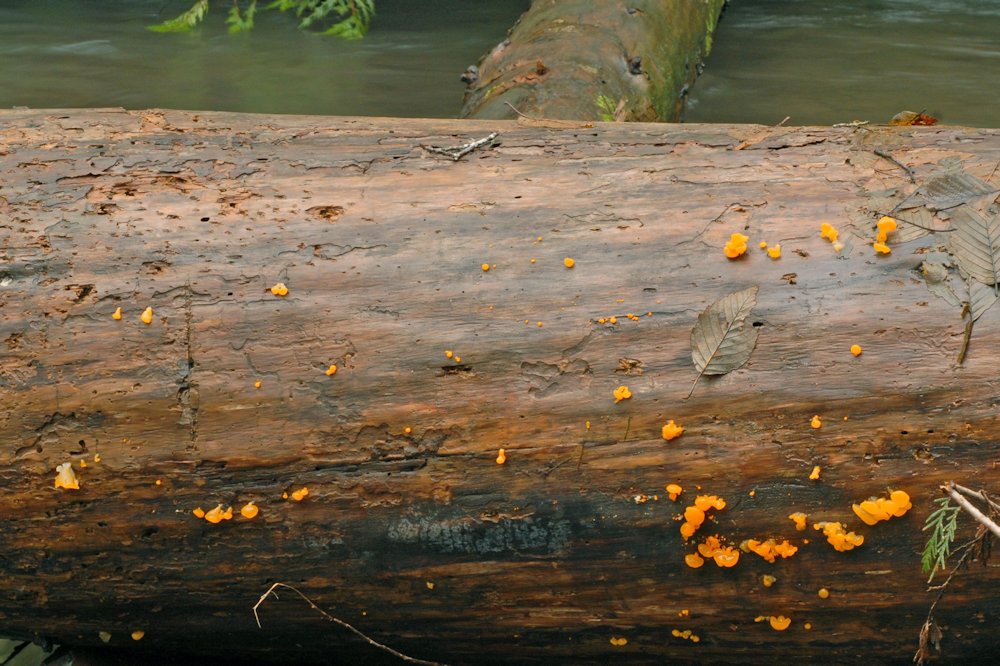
x,y
117,314
828,231
533,261
799,519
694,516
613,320
458,359
257,384
159,482
726,557
66,477
706,502
752,493
816,422
502,456
300,494
693,560
823,593
885,225
768,580
881,248
448,353
137,635
622,393
688,530
671,430
874,510
602,320
486,267
774,252
279,289
838,537
97,457
147,316
568,262
587,424
249,510
217,515
198,512
807,626
674,491
407,430
83,463
856,350
539,324
618,642
814,475
736,245
763,245
769,549
684,613
780,623
331,371
430,585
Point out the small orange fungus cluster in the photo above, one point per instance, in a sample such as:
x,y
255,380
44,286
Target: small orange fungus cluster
x,y
568,262
117,314
198,512
814,474
279,289
884,225
147,316
779,622
828,231
856,350
138,634
217,515
331,371
257,384
674,491
619,641
694,515
736,245
300,494
249,510
768,580
66,477
774,251
502,456
823,593
763,245
769,549
686,635
838,537
816,422
799,519
872,511
622,393
724,556
671,430
486,267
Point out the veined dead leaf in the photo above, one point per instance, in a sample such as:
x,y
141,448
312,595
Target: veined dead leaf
x,y
950,186
722,341
975,244
912,118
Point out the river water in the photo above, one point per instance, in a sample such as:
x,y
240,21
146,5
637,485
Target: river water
x,y
826,62
94,53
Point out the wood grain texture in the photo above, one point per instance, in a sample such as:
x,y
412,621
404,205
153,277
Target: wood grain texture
x,y
544,558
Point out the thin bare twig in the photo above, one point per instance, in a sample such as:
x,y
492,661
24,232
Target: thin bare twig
x,y
977,495
971,509
909,172
345,625
458,152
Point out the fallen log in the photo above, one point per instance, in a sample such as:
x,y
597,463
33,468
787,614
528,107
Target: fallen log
x,y
411,531
580,60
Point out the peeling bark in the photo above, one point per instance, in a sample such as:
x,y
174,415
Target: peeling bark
x,y
544,558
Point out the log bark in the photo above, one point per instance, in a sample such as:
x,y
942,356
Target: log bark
x,y
564,54
411,531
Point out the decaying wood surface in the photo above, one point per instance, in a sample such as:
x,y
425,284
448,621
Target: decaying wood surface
x,y
563,54
418,537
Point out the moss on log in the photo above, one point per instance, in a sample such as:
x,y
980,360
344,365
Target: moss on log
x,y
411,531
562,55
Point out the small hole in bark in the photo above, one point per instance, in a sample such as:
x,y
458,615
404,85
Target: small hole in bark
x,y
758,324
205,219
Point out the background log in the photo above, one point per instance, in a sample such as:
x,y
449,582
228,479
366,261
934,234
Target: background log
x,y
563,54
542,559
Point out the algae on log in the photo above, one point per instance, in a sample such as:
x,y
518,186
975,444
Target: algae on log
x,y
542,559
562,55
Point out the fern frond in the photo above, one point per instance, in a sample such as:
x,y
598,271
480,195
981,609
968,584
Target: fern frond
x,y
942,522
185,21
239,22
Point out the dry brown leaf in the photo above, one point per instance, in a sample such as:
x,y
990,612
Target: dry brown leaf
x,y
722,341
975,244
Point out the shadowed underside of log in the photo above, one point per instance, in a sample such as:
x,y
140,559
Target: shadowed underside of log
x,y
381,244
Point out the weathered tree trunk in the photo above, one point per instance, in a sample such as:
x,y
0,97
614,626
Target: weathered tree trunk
x,y
381,244
564,54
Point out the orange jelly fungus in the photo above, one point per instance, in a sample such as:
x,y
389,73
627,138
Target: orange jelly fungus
x,y
726,557
885,225
117,314
706,502
249,510
816,422
763,245
828,231
622,393
502,456
279,289
674,491
159,482
486,267
430,585
331,371
618,642
147,316
814,475
300,494
856,350
66,477
780,622
874,510
671,430
799,519
693,560
769,549
257,384
613,320
448,353
568,262
198,512
137,635
217,515
768,580
838,537
407,430
881,248
774,251
736,245
823,593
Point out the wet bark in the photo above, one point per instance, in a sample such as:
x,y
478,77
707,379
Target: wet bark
x,y
546,557
562,55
